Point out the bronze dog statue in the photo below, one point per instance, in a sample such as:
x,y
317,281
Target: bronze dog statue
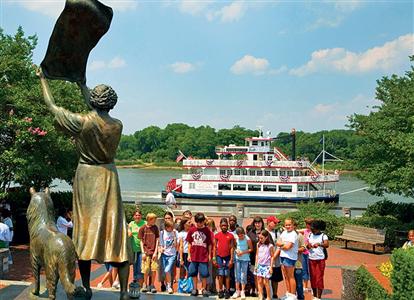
x,y
50,249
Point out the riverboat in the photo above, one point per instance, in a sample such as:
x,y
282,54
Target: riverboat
x,y
256,171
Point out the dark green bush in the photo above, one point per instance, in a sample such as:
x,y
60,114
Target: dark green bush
x,y
369,287
401,211
402,276
317,210
145,209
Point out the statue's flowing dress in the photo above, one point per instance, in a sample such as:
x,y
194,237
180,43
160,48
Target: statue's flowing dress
x,y
100,227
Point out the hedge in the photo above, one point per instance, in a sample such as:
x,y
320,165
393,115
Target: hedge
x,y
402,276
369,287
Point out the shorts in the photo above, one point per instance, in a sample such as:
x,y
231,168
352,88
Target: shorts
x,y
168,262
198,268
223,266
262,271
287,262
305,266
108,267
277,275
149,265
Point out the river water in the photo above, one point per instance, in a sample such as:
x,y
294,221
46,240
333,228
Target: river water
x,y
146,185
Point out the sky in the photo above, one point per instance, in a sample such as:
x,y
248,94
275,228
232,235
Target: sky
x,y
278,64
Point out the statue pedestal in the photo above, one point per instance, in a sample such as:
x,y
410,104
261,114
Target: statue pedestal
x,y
60,294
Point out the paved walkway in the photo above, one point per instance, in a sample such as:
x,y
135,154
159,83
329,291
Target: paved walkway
x,y
21,273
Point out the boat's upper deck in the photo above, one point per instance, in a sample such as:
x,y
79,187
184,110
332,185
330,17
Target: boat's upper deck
x,y
227,163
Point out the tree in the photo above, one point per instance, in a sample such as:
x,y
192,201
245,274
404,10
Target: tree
x,y
32,151
387,154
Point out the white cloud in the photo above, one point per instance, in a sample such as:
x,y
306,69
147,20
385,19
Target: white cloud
x,y
250,64
391,56
193,7
53,8
348,5
115,63
182,67
229,13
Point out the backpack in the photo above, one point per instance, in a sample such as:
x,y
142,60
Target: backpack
x,y
325,251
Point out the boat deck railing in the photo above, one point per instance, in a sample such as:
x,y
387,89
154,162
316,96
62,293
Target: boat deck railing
x,y
244,163
264,179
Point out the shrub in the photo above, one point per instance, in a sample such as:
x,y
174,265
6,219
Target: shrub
x,y
317,210
402,211
145,209
402,277
368,286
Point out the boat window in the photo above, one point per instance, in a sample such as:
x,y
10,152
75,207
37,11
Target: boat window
x,y
270,157
274,173
282,173
236,172
269,188
255,187
302,187
267,173
244,172
252,172
259,173
239,187
229,172
254,143
262,144
285,188
222,172
290,173
192,185
298,173
224,187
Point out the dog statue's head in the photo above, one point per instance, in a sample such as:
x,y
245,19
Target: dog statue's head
x,y
40,210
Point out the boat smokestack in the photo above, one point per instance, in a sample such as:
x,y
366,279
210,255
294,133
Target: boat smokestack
x,y
293,135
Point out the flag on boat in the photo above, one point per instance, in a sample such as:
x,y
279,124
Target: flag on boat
x,y
180,156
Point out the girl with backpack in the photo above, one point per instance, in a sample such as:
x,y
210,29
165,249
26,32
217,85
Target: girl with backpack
x,y
317,244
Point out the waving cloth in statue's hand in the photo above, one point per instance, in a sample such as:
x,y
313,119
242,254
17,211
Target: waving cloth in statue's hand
x,y
78,29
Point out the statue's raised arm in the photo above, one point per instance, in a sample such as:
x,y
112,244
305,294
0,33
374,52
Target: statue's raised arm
x,y
85,93
47,93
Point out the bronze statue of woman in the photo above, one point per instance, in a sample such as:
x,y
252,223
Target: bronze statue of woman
x,y
100,227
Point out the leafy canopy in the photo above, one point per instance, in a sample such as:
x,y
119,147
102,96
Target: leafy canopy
x,y
32,151
387,153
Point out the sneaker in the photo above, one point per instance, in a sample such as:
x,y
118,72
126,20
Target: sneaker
x,y
206,293
100,285
226,294
116,285
163,287
144,290
242,295
221,294
170,290
194,293
235,295
153,289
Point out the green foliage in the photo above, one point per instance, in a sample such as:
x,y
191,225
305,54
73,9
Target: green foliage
x,y
404,212
145,209
402,276
368,286
153,144
320,211
32,151
388,132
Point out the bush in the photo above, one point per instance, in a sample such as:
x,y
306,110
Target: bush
x,y
317,210
401,211
368,286
145,209
402,277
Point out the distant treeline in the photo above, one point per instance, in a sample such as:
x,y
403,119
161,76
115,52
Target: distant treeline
x,y
153,144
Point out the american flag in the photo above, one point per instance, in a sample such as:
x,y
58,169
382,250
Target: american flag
x,y
180,156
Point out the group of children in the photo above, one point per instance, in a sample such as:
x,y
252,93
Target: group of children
x,y
231,261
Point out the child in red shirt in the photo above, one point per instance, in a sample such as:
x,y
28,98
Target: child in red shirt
x,y
223,257
199,249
